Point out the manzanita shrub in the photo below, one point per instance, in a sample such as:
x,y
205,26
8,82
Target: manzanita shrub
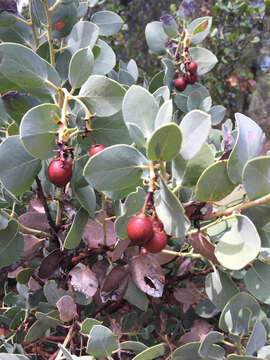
x,y
87,154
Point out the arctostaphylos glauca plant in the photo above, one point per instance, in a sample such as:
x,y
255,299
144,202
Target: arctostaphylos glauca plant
x,y
134,220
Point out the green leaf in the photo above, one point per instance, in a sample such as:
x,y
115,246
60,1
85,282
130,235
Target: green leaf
x,y
195,127
169,25
170,211
24,275
156,37
43,323
76,231
260,216
164,115
258,168
125,78
23,70
199,29
239,314
190,352
83,34
165,143
204,58
116,167
264,352
257,338
140,108
132,68
256,281
214,183
136,135
101,341
187,172
86,197
53,293
135,296
80,67
18,167
134,346
217,113
88,324
156,82
194,100
11,244
151,353
211,338
132,206
106,59
248,145
219,288
102,95
109,23
169,70
38,130
181,98
239,245
65,12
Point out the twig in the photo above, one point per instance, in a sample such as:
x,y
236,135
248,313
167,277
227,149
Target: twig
x,y
69,336
45,206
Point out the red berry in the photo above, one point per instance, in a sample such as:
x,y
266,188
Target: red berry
x,y
191,66
96,149
157,242
156,223
139,229
60,172
190,78
180,83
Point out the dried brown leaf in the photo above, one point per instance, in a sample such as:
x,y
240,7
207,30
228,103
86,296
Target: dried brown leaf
x,y
187,296
31,245
197,333
203,246
164,258
49,264
83,279
115,284
147,274
93,234
34,220
67,308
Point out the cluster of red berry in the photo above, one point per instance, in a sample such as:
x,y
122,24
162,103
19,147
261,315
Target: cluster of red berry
x,y
60,170
147,232
190,76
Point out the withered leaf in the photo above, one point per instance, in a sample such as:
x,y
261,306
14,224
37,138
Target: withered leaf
x,y
197,333
100,269
49,264
93,234
119,249
187,296
31,245
67,308
147,274
115,284
34,220
164,258
84,280
204,247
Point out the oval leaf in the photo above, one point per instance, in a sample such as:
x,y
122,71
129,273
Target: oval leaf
x,y
165,142
195,127
109,23
101,342
116,167
18,167
258,168
76,231
239,245
214,183
80,67
102,95
204,58
156,37
249,142
38,130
